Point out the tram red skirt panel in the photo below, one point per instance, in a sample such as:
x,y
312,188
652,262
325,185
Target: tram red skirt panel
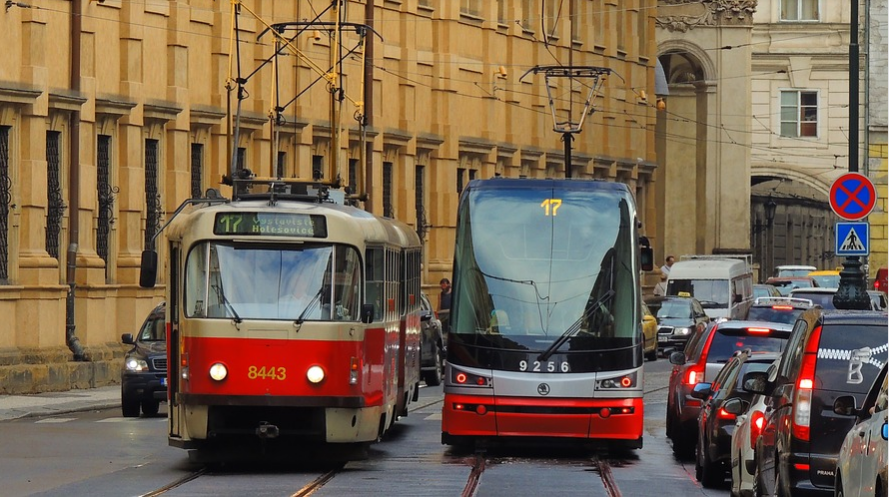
x,y
615,419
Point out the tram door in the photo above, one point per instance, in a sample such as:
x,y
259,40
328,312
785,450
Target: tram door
x,y
173,338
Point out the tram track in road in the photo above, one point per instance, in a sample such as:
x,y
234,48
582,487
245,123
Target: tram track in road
x,y
177,483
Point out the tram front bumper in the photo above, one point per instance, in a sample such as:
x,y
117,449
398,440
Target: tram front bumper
x,y
486,416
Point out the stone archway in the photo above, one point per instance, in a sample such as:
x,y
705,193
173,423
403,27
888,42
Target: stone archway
x,y
802,230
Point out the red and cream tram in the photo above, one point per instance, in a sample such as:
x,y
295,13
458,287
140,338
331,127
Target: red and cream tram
x,y
292,321
546,339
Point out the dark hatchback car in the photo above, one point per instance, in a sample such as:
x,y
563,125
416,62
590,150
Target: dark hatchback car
x,y
786,284
678,318
724,399
704,356
831,353
143,376
778,309
432,344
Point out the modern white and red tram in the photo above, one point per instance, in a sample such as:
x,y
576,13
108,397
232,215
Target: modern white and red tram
x,y
546,341
293,321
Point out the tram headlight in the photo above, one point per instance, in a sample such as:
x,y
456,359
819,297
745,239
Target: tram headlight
x,y
218,371
620,382
315,374
134,364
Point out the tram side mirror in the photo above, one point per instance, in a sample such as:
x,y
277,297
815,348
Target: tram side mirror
x,y
646,258
148,272
367,313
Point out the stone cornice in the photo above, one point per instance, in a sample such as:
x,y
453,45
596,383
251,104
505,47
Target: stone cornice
x,y
397,137
16,93
684,15
66,100
475,145
429,141
206,116
113,105
160,110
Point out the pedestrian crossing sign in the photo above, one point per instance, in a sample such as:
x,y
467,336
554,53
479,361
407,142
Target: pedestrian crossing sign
x,y
853,239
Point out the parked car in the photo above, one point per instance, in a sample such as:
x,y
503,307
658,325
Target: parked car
x,y
826,279
877,299
822,297
830,354
678,318
747,429
880,280
649,334
143,375
862,464
703,357
786,284
724,399
778,309
793,270
432,344
764,290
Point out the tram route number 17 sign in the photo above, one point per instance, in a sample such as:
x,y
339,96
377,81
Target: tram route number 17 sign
x,y
853,196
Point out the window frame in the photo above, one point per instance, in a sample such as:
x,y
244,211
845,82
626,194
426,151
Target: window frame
x,y
798,113
799,9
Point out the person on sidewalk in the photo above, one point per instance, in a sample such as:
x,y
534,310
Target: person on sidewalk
x,y
444,305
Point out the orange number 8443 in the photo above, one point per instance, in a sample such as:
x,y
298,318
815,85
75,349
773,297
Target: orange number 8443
x,y
267,373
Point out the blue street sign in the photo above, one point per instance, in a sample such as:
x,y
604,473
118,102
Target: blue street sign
x,y
853,239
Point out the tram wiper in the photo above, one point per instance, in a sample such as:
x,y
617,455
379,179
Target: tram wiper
x,y
228,305
309,306
575,327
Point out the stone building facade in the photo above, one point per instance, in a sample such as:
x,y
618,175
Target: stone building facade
x,y
114,112
877,108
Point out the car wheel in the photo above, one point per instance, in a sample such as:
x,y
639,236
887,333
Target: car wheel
x,y
130,408
433,376
150,407
699,466
711,475
683,443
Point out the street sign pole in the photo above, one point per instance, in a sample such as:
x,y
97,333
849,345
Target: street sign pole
x,y
852,292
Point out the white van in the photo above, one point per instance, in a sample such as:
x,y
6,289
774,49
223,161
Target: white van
x,y
722,283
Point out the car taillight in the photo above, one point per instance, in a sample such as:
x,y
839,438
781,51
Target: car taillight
x,y
693,376
758,331
782,307
757,419
802,404
723,414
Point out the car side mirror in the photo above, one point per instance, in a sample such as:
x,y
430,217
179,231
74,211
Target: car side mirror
x,y
127,338
367,313
425,317
756,382
735,406
677,358
702,391
845,405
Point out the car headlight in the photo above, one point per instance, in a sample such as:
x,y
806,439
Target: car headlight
x,y
218,371
315,374
135,364
681,331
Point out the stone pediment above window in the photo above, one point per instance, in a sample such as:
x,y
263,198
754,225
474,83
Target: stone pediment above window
x,y
66,100
160,111
16,93
112,105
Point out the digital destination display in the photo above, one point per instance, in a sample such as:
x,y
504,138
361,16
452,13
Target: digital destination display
x,y
270,224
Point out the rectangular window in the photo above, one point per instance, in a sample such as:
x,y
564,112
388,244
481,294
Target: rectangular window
x,y
152,195
472,173
470,7
317,166
353,175
282,160
5,201
387,190
54,202
242,158
197,166
528,15
419,193
642,30
501,10
799,10
799,113
461,174
106,198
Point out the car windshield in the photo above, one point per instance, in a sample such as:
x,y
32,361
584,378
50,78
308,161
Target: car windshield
x,y
672,309
726,341
154,329
794,272
713,294
786,286
824,299
827,280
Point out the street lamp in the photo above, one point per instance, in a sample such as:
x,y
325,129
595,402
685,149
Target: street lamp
x,y
770,207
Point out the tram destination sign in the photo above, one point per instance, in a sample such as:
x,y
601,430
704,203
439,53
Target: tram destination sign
x,y
270,224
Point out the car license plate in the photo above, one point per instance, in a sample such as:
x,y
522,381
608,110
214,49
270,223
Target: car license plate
x,y
163,382
663,338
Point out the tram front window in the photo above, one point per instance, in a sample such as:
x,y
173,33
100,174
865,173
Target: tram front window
x,y
296,283
536,265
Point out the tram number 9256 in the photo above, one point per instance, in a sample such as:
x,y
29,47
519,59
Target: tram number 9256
x,y
544,367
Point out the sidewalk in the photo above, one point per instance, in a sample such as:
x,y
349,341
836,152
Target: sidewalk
x,y
51,403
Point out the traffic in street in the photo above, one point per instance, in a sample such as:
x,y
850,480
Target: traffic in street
x,y
101,453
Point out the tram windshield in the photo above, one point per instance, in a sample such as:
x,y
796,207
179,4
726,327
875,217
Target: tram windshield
x,y
274,282
546,269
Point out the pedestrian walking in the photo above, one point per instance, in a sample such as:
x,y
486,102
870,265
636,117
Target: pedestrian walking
x,y
444,305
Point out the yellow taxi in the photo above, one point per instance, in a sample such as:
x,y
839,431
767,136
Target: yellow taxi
x,y
826,279
649,333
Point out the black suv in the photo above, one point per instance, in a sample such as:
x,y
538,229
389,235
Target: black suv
x,y
778,309
724,399
143,377
678,318
831,353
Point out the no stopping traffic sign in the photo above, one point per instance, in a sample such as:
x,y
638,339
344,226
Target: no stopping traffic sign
x,y
852,196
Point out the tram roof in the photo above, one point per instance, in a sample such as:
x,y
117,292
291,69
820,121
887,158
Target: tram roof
x,y
561,184
376,230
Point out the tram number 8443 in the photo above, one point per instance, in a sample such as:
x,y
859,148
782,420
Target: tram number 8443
x,y
549,366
